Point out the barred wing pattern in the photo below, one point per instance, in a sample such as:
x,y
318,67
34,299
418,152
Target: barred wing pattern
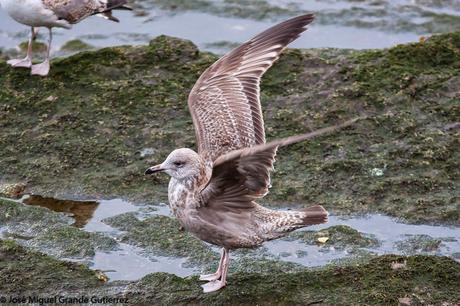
x,y
241,176
225,103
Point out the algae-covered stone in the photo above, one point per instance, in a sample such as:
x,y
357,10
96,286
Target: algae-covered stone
x,y
80,130
67,242
419,243
37,47
339,236
76,45
429,279
25,272
162,235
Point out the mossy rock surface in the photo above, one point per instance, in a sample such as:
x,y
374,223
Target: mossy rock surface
x,y
24,272
381,281
161,235
82,130
339,236
76,45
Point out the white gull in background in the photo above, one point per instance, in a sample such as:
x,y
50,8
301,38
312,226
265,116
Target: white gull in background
x,y
54,13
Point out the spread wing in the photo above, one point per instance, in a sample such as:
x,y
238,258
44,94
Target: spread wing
x,y
224,102
241,176
74,11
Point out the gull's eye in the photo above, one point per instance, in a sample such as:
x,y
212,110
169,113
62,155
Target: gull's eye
x,y
178,164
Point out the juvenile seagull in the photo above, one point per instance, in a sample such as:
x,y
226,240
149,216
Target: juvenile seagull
x,y
54,13
212,193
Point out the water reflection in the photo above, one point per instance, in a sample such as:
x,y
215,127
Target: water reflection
x,y
81,211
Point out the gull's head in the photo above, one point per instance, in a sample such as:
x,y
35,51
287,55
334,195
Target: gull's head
x,y
180,164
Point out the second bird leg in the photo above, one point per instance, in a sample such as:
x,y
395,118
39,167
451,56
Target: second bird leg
x,y
218,273
44,68
27,61
219,283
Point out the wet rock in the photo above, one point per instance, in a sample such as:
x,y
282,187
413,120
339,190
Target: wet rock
x,y
25,272
161,235
419,243
339,236
431,279
124,99
37,47
76,45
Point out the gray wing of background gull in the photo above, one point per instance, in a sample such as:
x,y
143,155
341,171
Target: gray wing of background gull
x,y
74,11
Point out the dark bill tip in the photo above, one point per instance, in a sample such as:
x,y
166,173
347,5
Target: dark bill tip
x,y
153,169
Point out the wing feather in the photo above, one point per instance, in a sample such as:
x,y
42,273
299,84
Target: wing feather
x,y
225,101
241,176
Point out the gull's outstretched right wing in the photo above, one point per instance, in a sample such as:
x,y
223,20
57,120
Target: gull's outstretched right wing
x,y
225,103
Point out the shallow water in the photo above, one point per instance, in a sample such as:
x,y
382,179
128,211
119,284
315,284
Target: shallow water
x,y
387,230
130,262
341,24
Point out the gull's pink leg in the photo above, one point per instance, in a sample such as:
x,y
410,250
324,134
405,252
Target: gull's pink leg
x,y
27,61
215,276
44,68
218,284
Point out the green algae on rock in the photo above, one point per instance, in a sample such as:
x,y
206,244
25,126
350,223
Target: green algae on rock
x,y
417,243
25,272
76,45
360,284
429,279
383,280
81,130
339,236
162,235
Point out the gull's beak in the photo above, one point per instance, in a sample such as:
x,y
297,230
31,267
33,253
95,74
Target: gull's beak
x,y
154,169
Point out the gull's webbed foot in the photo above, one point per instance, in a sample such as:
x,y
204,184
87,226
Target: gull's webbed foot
x,y
23,62
41,69
210,277
213,286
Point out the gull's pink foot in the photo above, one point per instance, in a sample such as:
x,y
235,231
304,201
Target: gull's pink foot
x,y
213,286
24,62
210,277
41,69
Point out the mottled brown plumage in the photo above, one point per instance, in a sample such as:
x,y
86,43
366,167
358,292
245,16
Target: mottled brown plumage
x,y
213,192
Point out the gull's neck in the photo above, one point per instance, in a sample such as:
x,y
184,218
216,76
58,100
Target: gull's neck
x,y
183,194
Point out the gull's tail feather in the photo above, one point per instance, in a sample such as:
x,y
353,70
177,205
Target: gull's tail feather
x,y
293,219
282,222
